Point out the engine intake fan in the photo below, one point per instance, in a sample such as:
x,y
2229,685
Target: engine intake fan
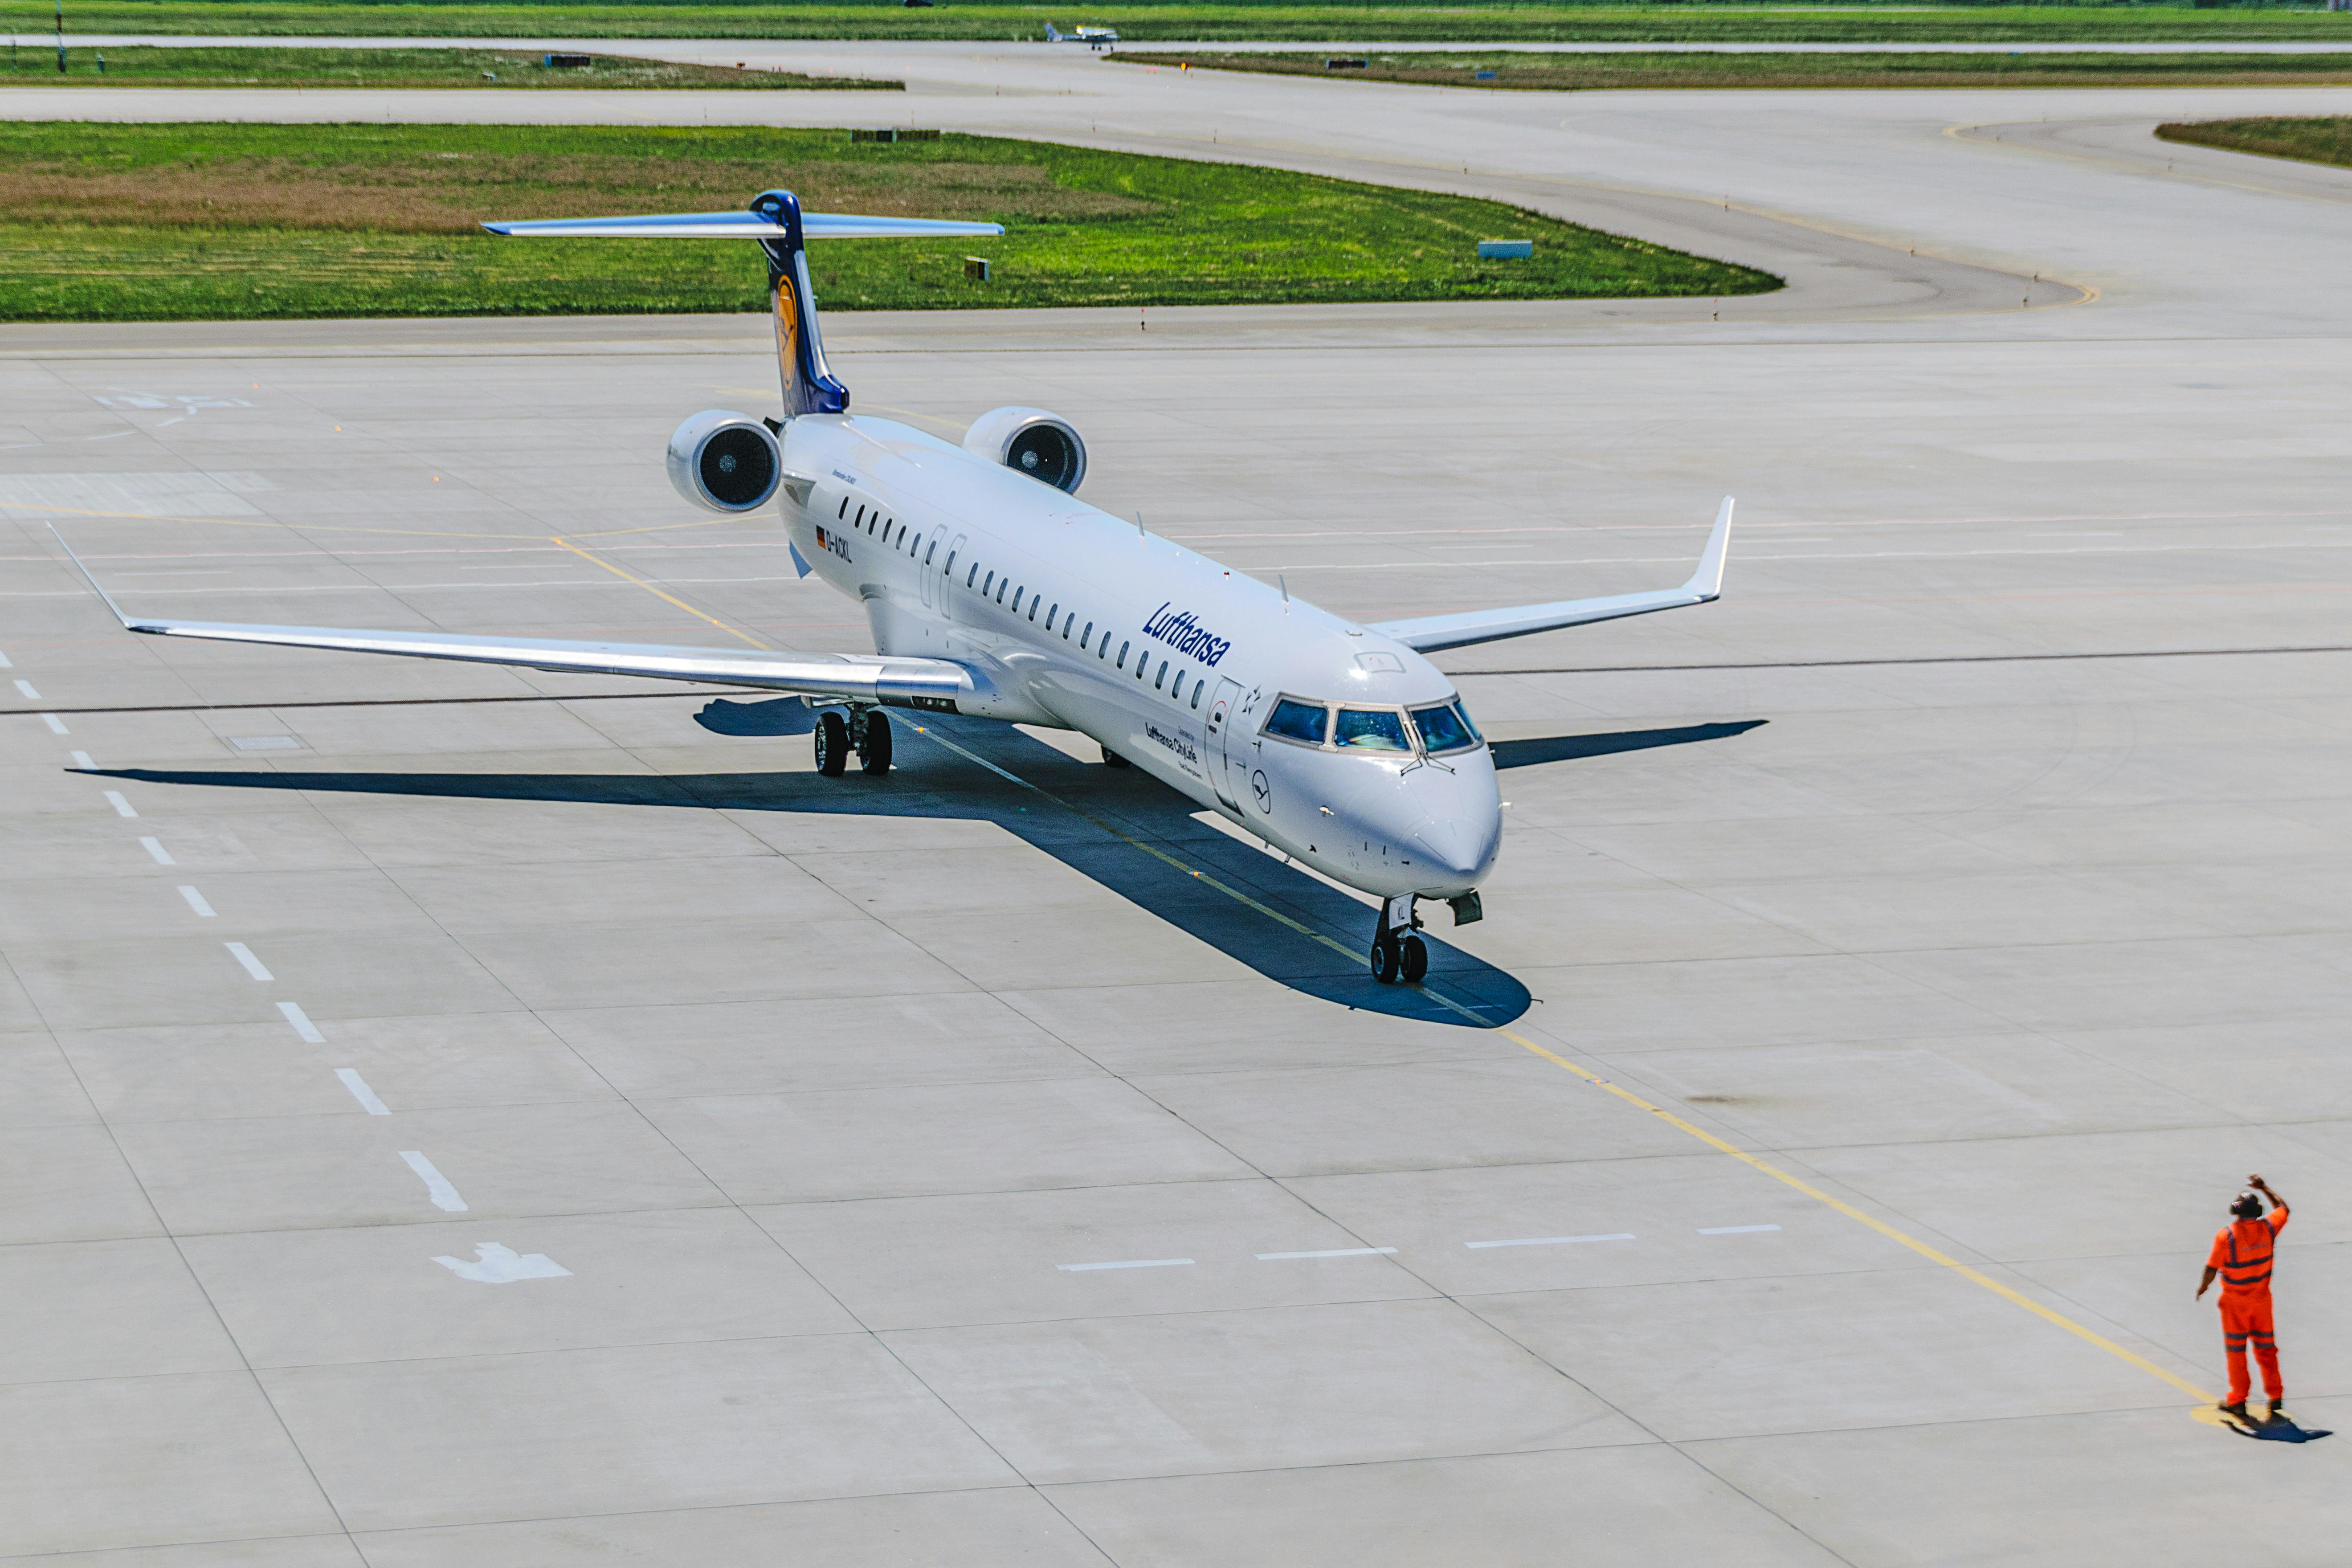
x,y
1029,441
725,462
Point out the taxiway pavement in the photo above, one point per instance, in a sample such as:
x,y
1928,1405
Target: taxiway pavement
x,y
935,1170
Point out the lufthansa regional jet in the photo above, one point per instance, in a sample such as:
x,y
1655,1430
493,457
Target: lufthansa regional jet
x,y
992,592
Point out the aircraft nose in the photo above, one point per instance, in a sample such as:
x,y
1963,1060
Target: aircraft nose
x,y
1461,827
1450,847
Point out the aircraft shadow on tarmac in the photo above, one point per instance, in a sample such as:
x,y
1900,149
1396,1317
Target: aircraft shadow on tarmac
x,y
1112,824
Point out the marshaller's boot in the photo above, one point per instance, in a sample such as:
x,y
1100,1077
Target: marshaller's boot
x,y
2277,1410
2237,1412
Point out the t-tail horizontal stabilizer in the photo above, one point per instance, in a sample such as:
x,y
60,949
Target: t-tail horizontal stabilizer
x,y
1432,634
776,221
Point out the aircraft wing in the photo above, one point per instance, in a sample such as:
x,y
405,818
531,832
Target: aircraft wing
x,y
1432,634
866,677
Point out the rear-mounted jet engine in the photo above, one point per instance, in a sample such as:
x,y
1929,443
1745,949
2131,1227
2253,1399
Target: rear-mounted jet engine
x,y
1029,441
724,461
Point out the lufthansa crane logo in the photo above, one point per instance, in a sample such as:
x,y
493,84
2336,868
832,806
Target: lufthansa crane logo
x,y
1263,790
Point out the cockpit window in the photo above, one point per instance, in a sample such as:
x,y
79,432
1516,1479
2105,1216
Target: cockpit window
x,y
1296,721
1446,729
1371,730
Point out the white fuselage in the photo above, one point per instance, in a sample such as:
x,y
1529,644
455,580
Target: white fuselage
x,y
1074,619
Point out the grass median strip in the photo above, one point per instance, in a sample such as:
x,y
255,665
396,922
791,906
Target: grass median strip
x,y
1185,21
1508,69
2316,139
235,221
293,67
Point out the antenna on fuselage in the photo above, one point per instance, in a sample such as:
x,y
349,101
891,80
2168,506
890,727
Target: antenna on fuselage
x,y
1138,522
1278,577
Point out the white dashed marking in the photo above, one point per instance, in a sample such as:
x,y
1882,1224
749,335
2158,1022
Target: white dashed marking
x,y
1735,1229
121,806
445,1197
81,760
1550,1240
154,847
26,688
1329,1252
362,1093
301,1022
57,725
244,955
1127,1263
197,902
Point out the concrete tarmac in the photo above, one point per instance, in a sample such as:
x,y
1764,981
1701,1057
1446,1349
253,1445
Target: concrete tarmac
x,y
467,1116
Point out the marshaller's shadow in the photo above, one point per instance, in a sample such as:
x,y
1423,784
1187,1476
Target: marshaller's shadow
x,y
1113,825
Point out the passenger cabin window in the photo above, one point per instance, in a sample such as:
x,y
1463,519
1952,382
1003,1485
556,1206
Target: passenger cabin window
x,y
1016,600
860,521
1085,636
1371,730
1446,729
843,512
970,574
1122,653
1000,589
985,587
1162,679
1196,692
1296,721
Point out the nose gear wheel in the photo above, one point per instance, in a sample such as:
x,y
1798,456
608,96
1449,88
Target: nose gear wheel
x,y
1398,953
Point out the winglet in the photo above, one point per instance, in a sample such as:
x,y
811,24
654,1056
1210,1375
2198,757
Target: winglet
x,y
85,577
1707,581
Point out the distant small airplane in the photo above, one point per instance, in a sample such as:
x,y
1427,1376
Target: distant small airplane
x,y
1093,37
1338,745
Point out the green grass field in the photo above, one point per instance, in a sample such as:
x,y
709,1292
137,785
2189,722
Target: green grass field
x,y
2325,139
222,222
139,66
1188,22
1508,70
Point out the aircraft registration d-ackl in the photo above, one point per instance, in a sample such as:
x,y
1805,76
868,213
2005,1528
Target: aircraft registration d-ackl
x,y
992,592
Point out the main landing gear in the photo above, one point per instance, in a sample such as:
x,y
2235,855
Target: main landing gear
x,y
835,743
1398,952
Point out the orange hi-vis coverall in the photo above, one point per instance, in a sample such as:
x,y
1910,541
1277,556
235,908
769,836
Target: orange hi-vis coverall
x,y
2241,1252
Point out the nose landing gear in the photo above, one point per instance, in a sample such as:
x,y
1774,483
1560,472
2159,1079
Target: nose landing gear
x,y
1398,952
834,743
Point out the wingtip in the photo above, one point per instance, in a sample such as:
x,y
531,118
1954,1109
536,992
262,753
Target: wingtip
x,y
1707,581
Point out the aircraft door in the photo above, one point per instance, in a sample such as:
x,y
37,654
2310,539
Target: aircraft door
x,y
1219,722
953,563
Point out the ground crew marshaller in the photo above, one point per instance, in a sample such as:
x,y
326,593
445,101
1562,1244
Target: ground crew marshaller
x,y
2242,1257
